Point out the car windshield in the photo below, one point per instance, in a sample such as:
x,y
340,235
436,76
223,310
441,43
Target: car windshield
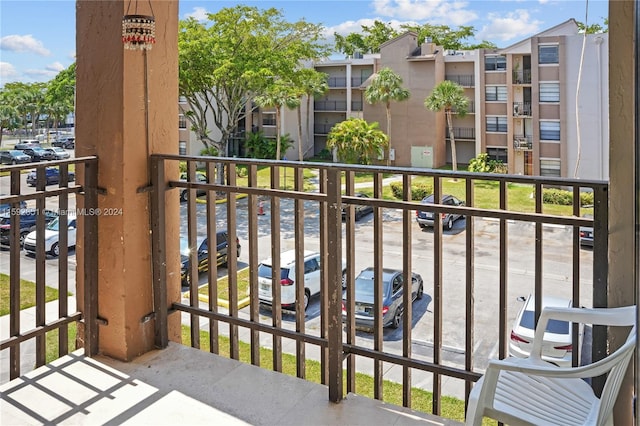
x,y
553,326
54,225
265,271
364,287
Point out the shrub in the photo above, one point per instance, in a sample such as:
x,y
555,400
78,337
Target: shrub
x,y
211,151
482,164
418,191
325,154
563,197
262,147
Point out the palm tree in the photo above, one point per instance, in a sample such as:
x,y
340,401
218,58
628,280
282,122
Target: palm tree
x,y
357,141
386,87
276,96
449,97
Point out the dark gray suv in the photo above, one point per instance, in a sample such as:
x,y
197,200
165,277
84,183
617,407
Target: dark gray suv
x,y
202,252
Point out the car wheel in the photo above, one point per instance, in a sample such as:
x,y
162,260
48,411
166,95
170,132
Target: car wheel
x,y
420,292
344,280
14,162
422,226
449,224
307,297
397,318
55,249
358,215
183,196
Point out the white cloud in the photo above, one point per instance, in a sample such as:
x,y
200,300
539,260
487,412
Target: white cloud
x,y
41,74
8,71
23,43
199,14
447,12
356,26
55,67
509,26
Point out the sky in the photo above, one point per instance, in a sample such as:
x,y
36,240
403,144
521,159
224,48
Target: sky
x,y
37,38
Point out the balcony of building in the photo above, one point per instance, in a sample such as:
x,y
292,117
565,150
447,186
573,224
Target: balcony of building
x,y
153,353
462,133
462,80
522,109
437,352
522,142
337,82
522,77
330,105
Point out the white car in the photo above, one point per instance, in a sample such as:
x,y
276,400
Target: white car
x,y
52,236
287,278
557,345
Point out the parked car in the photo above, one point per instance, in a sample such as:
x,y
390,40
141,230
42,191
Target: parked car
x,y
360,210
52,175
28,219
52,236
5,207
200,177
14,156
557,343
425,219
57,153
202,252
27,143
312,266
392,310
65,142
586,234
38,154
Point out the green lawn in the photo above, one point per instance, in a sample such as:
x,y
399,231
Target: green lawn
x,y
27,294
223,286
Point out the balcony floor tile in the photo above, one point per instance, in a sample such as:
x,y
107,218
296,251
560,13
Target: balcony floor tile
x,y
182,385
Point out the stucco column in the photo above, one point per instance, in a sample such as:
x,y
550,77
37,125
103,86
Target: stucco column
x,y
127,108
622,115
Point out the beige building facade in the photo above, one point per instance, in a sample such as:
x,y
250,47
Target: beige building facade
x,y
540,106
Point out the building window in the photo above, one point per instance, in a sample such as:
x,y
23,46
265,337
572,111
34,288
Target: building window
x,y
495,63
268,118
496,93
182,147
496,124
548,54
498,154
182,121
550,167
549,92
550,130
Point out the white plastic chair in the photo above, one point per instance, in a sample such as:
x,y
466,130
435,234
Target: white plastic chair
x,y
526,391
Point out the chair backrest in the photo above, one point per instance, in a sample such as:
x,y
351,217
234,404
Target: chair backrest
x,y
615,365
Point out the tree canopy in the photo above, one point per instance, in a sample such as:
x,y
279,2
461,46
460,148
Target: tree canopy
x,y
372,37
357,141
234,56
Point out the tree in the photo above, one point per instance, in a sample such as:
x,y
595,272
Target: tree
x,y
357,141
449,97
233,56
371,38
61,92
593,28
385,87
312,84
278,95
9,115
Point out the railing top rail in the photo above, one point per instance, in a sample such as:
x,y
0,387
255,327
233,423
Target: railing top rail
x,y
414,171
51,163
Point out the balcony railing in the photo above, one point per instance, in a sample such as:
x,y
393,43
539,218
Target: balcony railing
x,y
462,80
462,133
522,142
323,128
522,109
330,106
456,297
440,339
471,108
60,197
335,82
522,77
356,105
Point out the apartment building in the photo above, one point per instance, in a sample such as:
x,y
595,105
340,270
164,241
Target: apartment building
x,y
540,105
